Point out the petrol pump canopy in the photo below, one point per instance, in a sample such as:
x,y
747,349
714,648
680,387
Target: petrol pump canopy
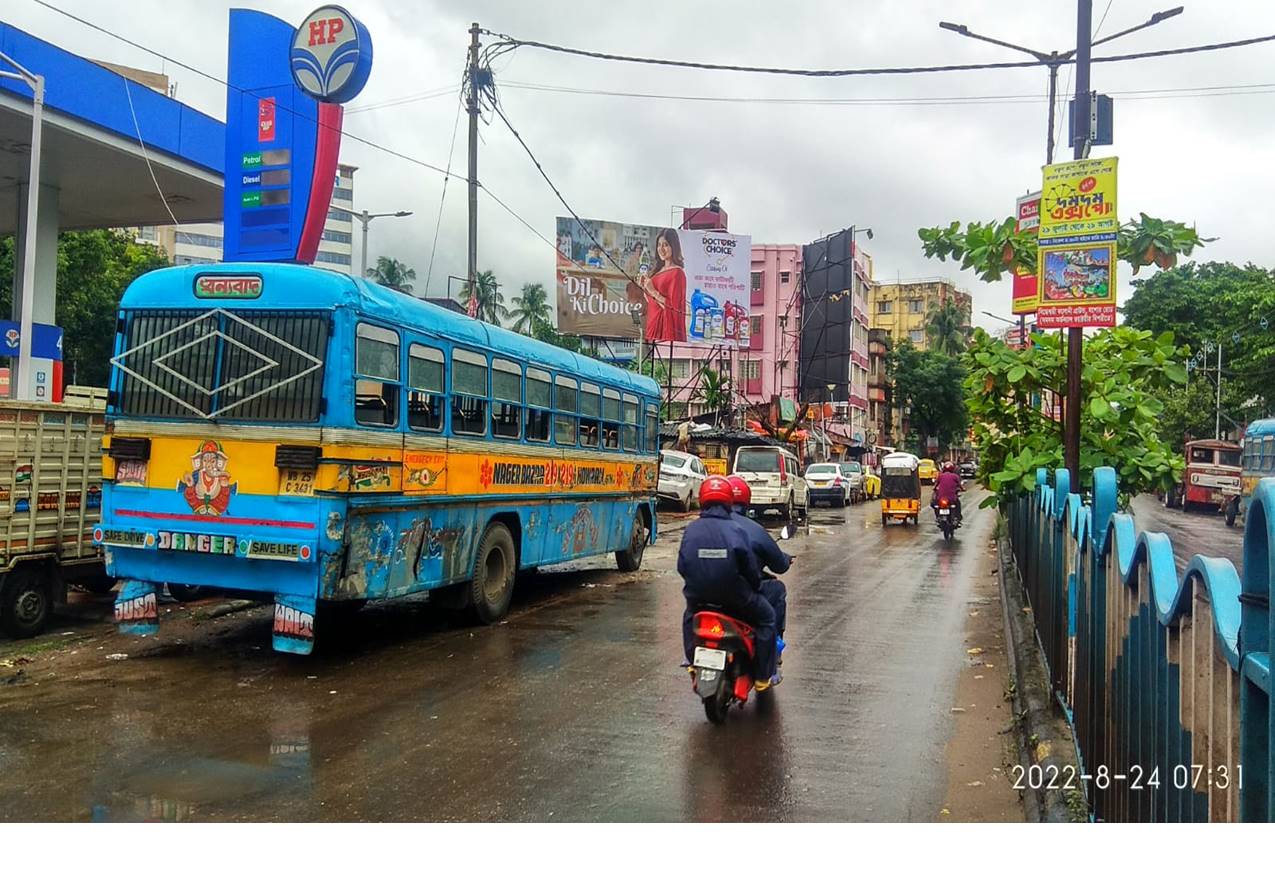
x,y
91,151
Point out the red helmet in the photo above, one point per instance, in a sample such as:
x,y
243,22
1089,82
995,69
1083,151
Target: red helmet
x,y
715,490
949,466
741,493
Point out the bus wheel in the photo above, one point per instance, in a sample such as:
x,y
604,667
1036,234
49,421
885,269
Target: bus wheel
x,y
26,601
492,586
1232,510
630,560
184,593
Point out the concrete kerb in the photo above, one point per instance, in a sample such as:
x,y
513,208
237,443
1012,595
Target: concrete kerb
x,y
1042,733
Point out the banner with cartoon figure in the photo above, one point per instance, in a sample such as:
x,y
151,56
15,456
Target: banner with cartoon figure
x,y
1076,267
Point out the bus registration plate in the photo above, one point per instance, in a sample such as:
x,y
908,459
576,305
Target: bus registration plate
x,y
296,483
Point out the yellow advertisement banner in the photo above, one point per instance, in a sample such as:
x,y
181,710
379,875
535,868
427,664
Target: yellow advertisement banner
x,y
1078,203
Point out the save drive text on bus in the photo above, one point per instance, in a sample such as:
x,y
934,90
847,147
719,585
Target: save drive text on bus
x,y
319,439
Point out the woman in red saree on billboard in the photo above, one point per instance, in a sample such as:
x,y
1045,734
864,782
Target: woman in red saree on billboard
x,y
666,291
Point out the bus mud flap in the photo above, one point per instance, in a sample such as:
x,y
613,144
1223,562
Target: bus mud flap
x,y
294,624
137,607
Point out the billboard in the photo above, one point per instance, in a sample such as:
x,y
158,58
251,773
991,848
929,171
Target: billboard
x,y
665,285
1078,229
1026,289
827,326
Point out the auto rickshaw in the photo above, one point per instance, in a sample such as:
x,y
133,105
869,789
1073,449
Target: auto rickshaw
x,y
900,488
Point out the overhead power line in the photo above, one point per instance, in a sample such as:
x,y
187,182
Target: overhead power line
x,y
506,42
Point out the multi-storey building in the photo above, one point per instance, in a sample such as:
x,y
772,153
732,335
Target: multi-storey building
x,y
201,243
880,410
903,308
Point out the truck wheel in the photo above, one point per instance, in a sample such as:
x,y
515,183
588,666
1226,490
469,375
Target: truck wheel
x,y
495,566
630,560
26,601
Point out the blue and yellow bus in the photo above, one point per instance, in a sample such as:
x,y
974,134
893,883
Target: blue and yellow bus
x,y
319,439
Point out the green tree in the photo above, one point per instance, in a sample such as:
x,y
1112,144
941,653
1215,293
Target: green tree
x,y
947,329
544,331
993,249
491,303
392,273
714,389
1123,369
530,307
94,269
929,385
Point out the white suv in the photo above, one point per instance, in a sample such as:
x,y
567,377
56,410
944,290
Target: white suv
x,y
680,477
772,474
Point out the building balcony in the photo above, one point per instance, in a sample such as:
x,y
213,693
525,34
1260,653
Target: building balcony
x,y
876,393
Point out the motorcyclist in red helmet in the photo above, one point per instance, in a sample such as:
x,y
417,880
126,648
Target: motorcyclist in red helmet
x,y
948,487
769,555
719,570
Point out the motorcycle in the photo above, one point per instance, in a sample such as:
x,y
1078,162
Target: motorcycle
x,y
944,515
721,667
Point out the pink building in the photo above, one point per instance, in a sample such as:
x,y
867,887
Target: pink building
x,y
769,365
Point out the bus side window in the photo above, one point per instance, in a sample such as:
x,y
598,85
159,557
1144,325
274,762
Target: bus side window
x,y
590,414
469,393
652,428
630,423
377,376
425,388
611,419
565,406
539,404
506,393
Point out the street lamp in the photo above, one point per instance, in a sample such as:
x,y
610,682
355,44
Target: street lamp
x,y
1055,60
22,389
1002,319
366,219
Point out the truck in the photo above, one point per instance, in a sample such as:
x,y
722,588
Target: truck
x,y
50,505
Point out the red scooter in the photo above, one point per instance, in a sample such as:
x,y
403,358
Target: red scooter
x,y
721,672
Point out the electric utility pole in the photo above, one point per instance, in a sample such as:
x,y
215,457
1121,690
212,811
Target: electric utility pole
x,y
472,107
1076,335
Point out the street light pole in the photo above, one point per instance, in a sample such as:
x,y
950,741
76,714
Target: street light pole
x,y
22,387
1076,335
365,218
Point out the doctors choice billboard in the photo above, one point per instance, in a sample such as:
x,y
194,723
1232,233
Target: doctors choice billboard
x,y
666,285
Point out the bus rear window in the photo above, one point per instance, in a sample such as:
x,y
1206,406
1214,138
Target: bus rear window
x,y
243,365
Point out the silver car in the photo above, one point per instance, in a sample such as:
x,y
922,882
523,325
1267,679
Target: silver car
x,y
680,477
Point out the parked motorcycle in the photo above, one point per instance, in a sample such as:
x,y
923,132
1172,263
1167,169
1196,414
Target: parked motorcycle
x,y
945,515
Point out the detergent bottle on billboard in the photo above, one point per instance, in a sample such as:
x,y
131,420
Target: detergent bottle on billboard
x,y
703,307
736,322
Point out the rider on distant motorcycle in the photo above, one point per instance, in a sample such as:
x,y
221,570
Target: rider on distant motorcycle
x,y
769,555
719,570
948,487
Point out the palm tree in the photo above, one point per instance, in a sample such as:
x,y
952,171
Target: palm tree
x,y
393,273
947,329
490,304
716,389
530,309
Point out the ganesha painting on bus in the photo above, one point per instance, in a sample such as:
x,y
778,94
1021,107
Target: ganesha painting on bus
x,y
207,487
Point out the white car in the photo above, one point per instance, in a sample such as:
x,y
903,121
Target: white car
x,y
771,474
853,471
826,484
680,477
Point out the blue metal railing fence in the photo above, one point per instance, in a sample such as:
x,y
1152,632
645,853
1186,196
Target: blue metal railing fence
x,y
1166,680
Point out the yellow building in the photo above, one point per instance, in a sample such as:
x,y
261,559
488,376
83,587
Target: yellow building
x,y
902,308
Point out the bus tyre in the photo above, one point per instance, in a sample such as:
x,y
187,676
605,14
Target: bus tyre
x,y
630,560
495,566
27,598
1232,510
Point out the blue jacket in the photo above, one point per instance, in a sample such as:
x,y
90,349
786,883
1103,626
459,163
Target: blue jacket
x,y
764,547
716,561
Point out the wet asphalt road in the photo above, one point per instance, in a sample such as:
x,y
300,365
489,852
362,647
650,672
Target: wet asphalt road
x,y
1194,531
574,708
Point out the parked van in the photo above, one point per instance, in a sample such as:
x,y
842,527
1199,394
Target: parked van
x,y
775,478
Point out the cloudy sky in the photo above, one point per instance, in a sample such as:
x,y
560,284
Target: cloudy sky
x,y
893,153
